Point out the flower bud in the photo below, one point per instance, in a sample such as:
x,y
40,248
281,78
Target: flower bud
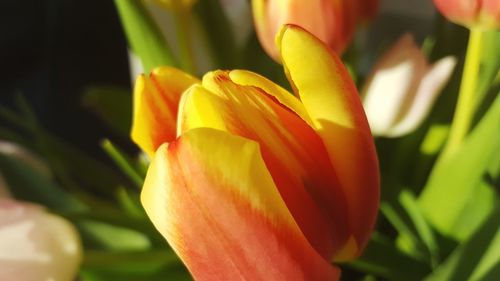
x,y
474,13
402,88
333,22
36,245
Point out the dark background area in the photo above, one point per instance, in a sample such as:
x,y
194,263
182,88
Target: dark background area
x,y
51,51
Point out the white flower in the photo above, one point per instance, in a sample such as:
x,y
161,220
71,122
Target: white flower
x,y
402,88
36,245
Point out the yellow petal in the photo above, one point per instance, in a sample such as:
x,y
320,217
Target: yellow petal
x,y
198,108
321,81
156,100
248,78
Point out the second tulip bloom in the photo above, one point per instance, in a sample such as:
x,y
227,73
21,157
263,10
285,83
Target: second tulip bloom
x,y
402,88
333,22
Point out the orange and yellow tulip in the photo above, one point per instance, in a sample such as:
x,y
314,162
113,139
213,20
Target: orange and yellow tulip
x,y
261,184
333,22
474,13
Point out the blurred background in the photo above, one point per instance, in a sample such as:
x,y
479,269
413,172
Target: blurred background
x,y
53,51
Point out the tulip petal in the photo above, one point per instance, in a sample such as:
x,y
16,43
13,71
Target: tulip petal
x,y
430,88
294,153
490,13
464,12
331,99
198,109
156,100
265,31
248,78
367,9
211,196
333,22
35,245
483,14
393,84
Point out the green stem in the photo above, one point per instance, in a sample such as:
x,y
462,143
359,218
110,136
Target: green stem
x,y
466,104
183,19
120,160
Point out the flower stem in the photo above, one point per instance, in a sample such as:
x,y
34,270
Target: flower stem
x,y
466,104
183,28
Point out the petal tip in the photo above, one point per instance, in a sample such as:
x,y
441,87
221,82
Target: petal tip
x,y
283,30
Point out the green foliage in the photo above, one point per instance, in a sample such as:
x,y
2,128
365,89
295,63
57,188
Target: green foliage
x,y
144,36
113,105
478,258
132,266
123,162
381,256
220,33
454,199
83,169
29,185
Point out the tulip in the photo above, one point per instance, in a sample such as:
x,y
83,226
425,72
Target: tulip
x,y
474,13
260,184
333,22
402,88
366,9
36,245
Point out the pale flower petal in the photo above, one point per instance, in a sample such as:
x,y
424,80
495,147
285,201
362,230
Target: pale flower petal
x,y
430,88
383,111
402,88
36,245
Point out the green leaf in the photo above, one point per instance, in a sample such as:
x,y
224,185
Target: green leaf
x,y
112,237
113,105
426,235
478,258
122,162
435,139
490,62
219,32
454,190
130,203
382,258
130,261
143,34
83,169
408,240
27,184
161,264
